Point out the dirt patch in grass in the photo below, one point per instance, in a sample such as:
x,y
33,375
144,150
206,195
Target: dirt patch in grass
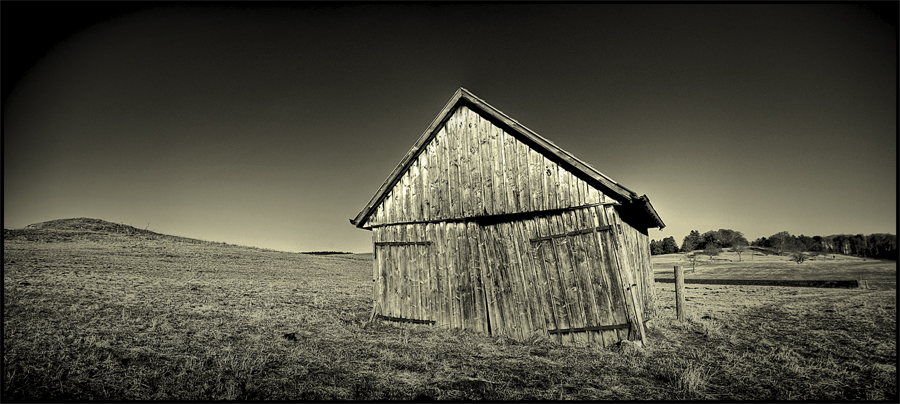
x,y
119,317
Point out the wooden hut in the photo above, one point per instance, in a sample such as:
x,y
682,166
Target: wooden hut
x,y
487,226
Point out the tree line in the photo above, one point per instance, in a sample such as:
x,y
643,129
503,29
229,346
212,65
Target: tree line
x,y
877,245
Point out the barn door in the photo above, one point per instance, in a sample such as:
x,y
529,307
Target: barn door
x,y
401,276
585,283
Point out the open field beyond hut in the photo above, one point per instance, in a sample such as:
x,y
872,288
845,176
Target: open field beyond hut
x,y
97,312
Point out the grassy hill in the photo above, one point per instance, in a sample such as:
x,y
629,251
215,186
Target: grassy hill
x,y
87,229
93,310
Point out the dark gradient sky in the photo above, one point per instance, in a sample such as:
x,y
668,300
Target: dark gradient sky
x,y
272,125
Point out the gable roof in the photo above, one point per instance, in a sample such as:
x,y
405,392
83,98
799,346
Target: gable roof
x,y
629,199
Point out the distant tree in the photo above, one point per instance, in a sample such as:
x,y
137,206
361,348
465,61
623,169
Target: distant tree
x,y
781,242
711,250
739,246
690,241
858,245
818,244
710,237
655,247
762,242
727,237
669,246
807,242
798,256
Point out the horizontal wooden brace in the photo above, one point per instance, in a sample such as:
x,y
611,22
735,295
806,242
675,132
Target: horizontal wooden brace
x,y
404,320
494,219
571,233
595,328
382,243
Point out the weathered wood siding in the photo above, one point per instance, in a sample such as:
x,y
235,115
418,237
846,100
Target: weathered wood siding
x,y
637,245
442,256
562,276
472,168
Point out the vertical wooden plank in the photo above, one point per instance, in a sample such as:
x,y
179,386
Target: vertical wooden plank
x,y
542,255
424,274
440,284
567,277
543,310
511,173
440,175
404,198
376,271
430,173
414,205
452,283
403,281
415,291
379,215
522,312
465,179
627,268
415,199
593,196
474,270
562,185
468,286
586,193
475,165
384,271
501,324
557,292
484,154
398,202
391,270
622,310
498,185
453,127
425,185
487,260
539,189
523,178
594,265
397,196
583,274
552,184
546,184
532,299
454,279
431,284
388,207
578,191
505,296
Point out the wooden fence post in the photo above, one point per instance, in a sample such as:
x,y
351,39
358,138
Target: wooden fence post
x,y
679,292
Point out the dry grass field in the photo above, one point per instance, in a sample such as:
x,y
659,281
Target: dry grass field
x,y
93,312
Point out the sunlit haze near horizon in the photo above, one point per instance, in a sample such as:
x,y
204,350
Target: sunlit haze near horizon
x,y
272,126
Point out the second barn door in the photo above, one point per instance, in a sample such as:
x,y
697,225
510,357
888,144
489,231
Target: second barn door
x,y
402,274
587,288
